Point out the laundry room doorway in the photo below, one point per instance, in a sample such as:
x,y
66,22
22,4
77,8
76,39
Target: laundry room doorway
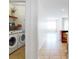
x,y
17,29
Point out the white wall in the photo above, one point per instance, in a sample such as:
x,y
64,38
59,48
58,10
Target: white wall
x,y
20,13
65,23
31,29
50,9
28,29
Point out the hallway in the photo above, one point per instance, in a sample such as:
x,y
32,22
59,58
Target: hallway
x,y
52,48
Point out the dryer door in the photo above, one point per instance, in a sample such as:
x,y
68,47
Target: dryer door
x,y
22,38
12,42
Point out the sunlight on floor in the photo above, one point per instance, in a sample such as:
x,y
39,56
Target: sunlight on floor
x,y
53,48
51,39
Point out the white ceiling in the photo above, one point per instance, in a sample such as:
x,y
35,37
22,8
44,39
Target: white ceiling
x,y
54,8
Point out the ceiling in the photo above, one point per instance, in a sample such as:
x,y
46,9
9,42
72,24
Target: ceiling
x,y
54,8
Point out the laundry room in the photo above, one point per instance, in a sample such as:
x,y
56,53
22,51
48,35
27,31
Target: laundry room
x,y
16,29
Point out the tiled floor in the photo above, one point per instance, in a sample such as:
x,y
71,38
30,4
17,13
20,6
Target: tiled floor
x,y
52,50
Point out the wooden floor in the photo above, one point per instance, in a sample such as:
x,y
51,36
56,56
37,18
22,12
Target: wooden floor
x,y
18,54
53,50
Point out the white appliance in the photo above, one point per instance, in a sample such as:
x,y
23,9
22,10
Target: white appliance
x,y
13,42
21,41
16,40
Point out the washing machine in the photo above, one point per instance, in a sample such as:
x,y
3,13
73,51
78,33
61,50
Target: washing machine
x,y
13,42
21,41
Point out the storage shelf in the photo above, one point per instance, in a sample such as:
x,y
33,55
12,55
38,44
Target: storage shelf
x,y
14,17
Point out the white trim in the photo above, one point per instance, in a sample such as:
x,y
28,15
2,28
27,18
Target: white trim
x,y
18,1
18,4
